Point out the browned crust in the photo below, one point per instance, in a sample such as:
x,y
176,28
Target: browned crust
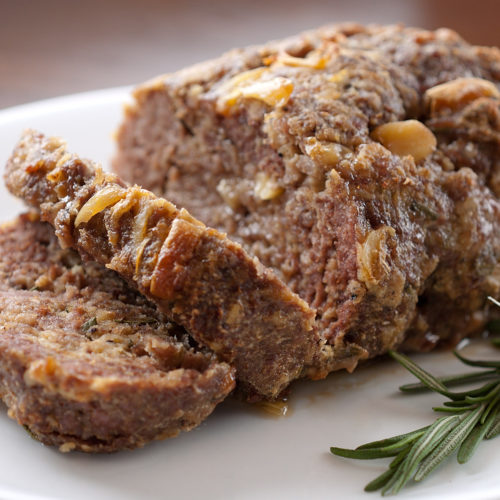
x,y
333,218
123,413
86,363
225,299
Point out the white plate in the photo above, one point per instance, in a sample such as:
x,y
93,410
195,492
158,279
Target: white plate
x,y
238,453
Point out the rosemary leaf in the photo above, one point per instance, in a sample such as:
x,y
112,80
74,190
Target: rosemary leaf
x,y
399,458
471,442
395,439
452,441
459,405
382,480
495,388
452,380
482,364
492,407
495,428
472,393
432,437
455,409
369,453
426,378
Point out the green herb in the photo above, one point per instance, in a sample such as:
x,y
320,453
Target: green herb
x,y
89,324
138,321
424,210
493,326
471,416
30,432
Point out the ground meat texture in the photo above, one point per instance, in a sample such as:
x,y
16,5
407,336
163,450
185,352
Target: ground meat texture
x,y
226,300
336,158
465,115
86,362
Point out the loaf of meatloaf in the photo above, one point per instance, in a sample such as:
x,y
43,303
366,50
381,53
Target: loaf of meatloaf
x,y
361,164
225,299
86,362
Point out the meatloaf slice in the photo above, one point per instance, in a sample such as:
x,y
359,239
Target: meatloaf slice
x,y
86,362
226,300
336,157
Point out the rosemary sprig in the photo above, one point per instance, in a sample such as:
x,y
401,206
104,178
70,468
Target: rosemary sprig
x,y
472,415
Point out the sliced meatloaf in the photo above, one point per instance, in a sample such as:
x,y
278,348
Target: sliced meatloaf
x,y
361,164
225,299
86,362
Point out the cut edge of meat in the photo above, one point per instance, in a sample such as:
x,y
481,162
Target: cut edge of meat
x,y
86,363
205,282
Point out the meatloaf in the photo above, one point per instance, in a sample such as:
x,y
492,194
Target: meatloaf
x,y
225,299
361,164
86,362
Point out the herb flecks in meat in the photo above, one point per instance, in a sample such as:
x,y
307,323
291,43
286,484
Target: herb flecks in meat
x,y
89,324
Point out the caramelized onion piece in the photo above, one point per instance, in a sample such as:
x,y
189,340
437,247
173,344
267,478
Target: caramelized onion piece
x,y
99,202
253,85
409,137
267,188
456,94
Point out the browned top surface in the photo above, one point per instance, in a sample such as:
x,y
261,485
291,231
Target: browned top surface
x,y
123,42
302,108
